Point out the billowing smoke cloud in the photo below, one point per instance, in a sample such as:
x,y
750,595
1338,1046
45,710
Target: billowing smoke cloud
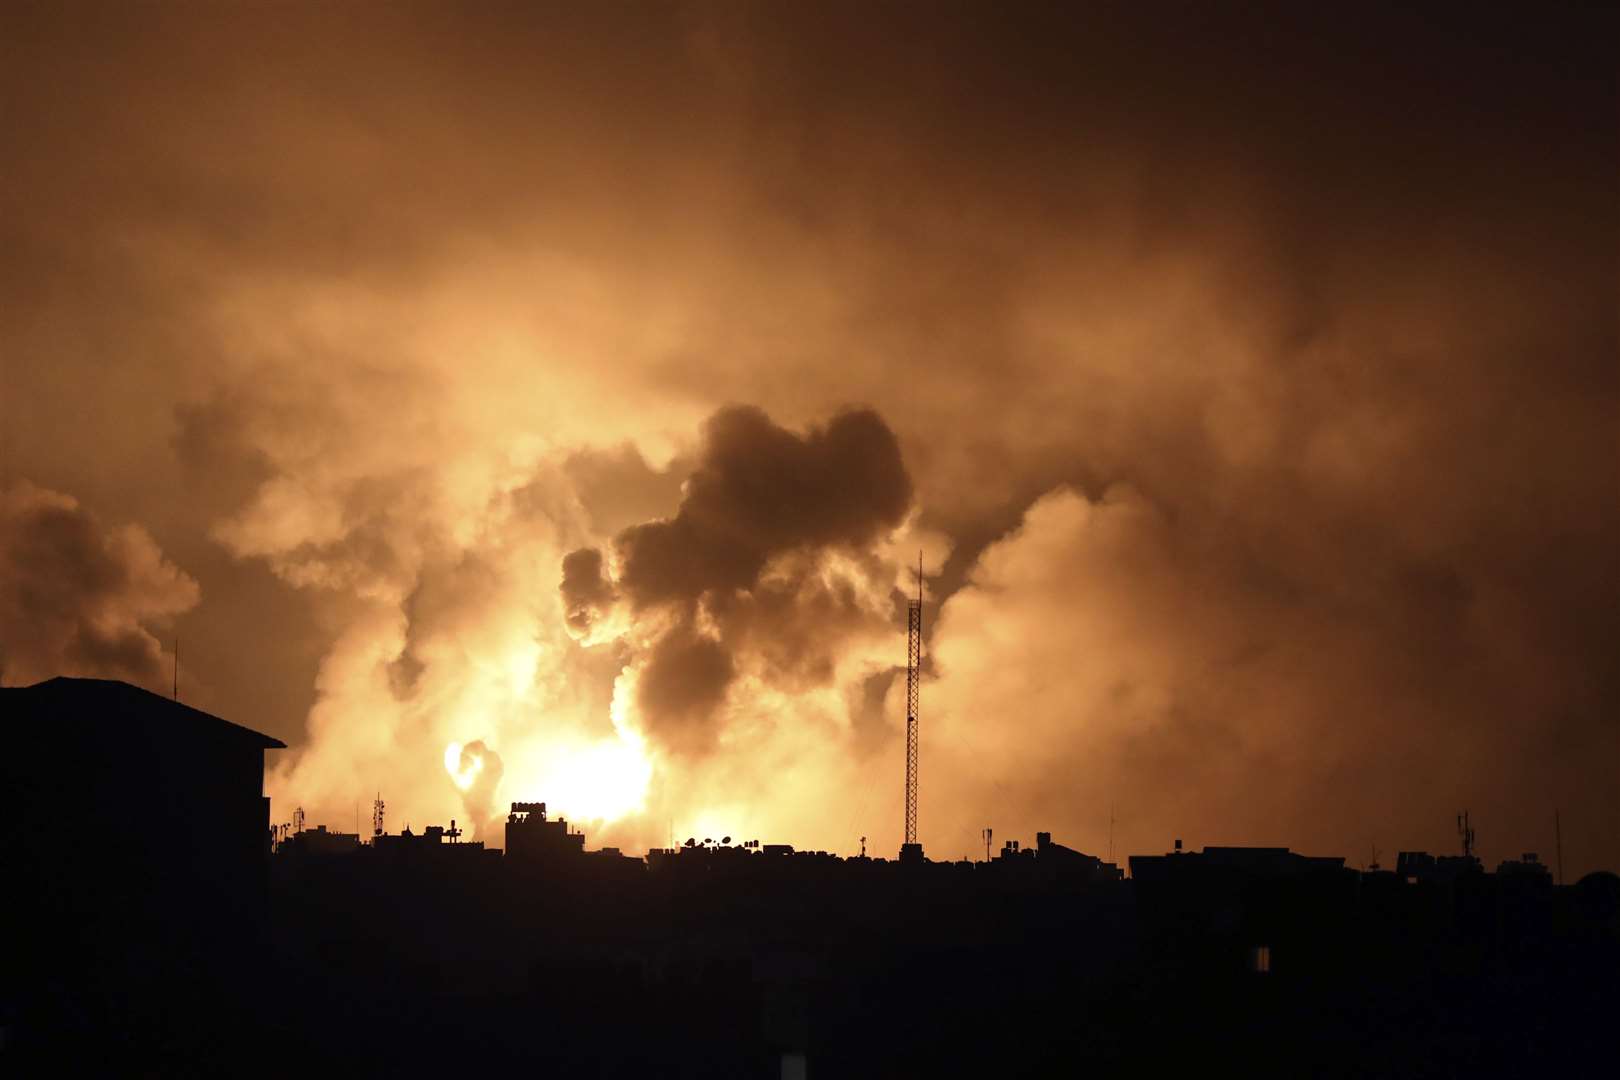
x,y
78,597
760,490
1254,373
587,595
808,508
476,769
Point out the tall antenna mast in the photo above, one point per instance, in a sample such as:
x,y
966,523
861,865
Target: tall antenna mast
x,y
911,850
177,667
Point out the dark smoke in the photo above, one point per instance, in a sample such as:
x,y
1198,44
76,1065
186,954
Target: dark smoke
x,y
77,597
760,497
586,592
683,683
760,490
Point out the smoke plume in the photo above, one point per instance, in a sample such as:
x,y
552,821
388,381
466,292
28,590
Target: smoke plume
x,y
770,554
1247,376
78,597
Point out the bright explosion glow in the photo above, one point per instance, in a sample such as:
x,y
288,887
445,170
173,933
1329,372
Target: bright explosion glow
x,y
600,781
462,767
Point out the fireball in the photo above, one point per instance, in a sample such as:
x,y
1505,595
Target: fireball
x,y
463,764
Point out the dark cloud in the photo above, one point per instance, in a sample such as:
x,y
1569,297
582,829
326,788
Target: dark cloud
x,y
78,597
586,592
758,495
682,684
797,623
760,490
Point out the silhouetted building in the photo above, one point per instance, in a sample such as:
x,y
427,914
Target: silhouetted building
x,y
318,842
532,837
433,844
1256,862
1068,860
1415,866
1528,866
1240,908
137,835
740,958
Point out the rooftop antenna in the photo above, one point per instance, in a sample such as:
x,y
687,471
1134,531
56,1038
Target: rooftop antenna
x,y
1466,833
377,816
986,833
863,847
177,667
911,849
298,819
1110,832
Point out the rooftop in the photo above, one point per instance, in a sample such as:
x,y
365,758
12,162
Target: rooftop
x,y
123,711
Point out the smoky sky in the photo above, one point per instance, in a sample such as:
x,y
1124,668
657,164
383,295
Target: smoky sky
x,y
1247,375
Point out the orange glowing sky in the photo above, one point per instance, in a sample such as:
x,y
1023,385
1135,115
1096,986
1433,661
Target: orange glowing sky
x,y
1247,380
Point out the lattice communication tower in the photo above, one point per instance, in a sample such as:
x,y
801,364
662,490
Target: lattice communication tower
x,y
912,850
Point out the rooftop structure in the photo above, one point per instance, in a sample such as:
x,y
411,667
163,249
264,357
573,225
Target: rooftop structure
x,y
532,837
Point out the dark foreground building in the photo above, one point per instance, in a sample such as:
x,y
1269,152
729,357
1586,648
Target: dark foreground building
x,y
138,832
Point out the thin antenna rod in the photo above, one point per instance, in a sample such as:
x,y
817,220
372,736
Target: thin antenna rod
x,y
177,667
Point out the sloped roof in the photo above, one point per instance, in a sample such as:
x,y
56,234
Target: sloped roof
x,y
126,711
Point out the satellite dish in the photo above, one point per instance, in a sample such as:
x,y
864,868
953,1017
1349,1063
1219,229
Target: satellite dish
x,y
725,839
690,842
706,840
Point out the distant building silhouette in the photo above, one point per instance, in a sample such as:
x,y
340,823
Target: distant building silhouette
x,y
1055,859
1527,866
1413,866
318,841
532,837
433,845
